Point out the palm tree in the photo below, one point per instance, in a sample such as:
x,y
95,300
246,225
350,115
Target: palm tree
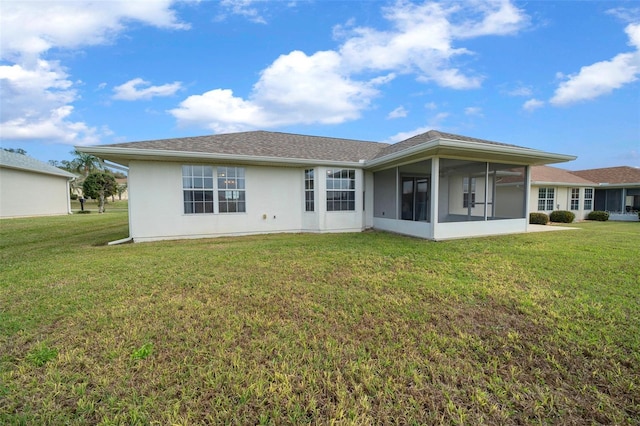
x,y
86,163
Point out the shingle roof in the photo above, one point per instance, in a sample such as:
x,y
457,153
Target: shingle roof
x,y
432,135
556,175
273,147
267,144
612,175
24,162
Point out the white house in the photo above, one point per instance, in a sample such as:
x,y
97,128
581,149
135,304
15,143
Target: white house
x,y
29,187
434,185
557,189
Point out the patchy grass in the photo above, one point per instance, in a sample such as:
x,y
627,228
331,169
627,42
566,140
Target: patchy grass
x,y
307,329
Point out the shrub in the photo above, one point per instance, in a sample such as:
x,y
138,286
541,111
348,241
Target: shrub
x,y
74,196
562,216
598,215
538,218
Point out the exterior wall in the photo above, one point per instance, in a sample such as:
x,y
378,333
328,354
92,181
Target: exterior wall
x,y
445,231
562,200
274,203
405,227
384,193
24,193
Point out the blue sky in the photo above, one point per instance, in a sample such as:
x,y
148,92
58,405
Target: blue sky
x,y
558,76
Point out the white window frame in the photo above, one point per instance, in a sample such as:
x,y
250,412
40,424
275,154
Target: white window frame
x,y
468,195
546,199
309,190
588,199
198,189
574,202
207,189
341,190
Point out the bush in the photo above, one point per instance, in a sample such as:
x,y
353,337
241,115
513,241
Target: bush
x,y
74,196
562,216
598,215
538,218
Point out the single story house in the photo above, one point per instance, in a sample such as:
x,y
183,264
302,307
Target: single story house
x,y
29,187
557,189
617,190
434,185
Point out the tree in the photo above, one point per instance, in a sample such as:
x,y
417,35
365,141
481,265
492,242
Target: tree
x,y
86,163
16,150
99,185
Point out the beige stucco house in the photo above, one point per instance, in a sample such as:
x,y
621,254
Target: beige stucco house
x,y
557,189
29,187
435,185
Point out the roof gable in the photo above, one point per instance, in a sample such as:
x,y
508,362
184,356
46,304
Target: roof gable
x,y
548,174
430,136
13,160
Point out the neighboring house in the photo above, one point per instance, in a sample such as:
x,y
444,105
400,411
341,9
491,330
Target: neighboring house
x,y
557,189
617,190
29,187
434,185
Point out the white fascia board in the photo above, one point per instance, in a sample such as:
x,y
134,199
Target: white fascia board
x,y
116,155
581,185
617,185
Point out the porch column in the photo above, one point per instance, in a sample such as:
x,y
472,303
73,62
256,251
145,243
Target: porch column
x,y
435,195
527,190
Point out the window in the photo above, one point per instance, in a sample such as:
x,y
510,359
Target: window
x,y
468,193
545,199
341,190
231,198
197,187
309,193
575,198
588,198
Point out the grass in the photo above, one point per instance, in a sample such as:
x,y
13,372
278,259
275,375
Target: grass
x,y
316,329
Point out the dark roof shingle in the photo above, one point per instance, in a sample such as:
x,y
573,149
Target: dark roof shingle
x,y
267,144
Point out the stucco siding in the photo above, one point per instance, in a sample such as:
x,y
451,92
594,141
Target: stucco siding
x,y
274,203
24,193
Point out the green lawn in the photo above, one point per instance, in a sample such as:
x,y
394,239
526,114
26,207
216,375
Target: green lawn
x,y
363,328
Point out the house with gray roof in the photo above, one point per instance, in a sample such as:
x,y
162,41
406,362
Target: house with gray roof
x,y
435,185
29,187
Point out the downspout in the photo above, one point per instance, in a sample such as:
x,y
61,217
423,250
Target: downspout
x,y
69,195
122,241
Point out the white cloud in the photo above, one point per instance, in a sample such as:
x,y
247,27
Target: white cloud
x,y
336,86
31,28
473,111
399,112
532,104
295,89
523,91
242,8
37,94
431,106
602,77
138,88
35,104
